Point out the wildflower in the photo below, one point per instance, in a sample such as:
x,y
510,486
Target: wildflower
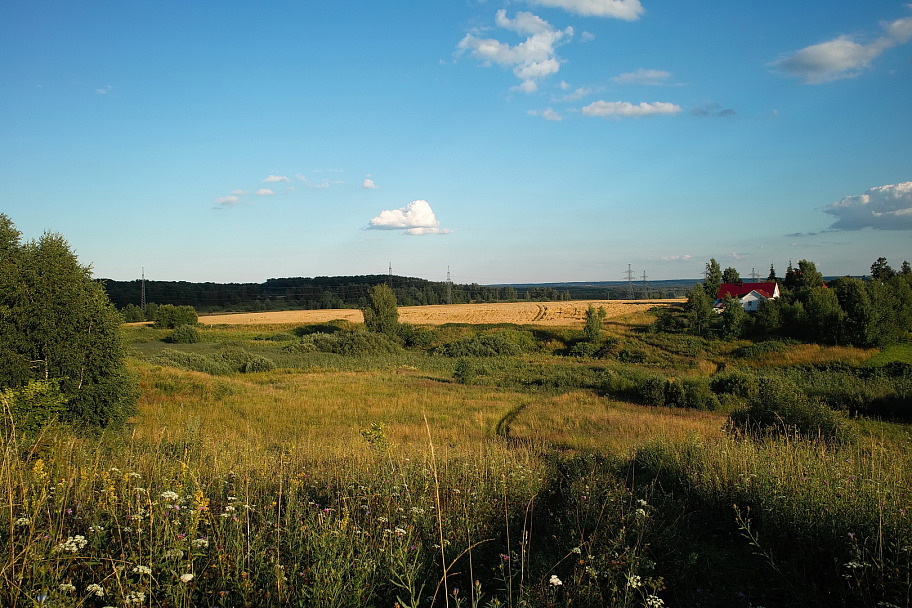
x,y
400,532
67,587
169,496
95,589
642,503
174,554
22,521
142,569
654,601
554,581
576,550
135,475
229,509
135,597
72,544
201,543
641,513
634,581
96,528
186,578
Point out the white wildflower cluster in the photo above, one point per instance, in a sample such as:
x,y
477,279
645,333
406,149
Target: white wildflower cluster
x,y
67,587
417,511
200,543
95,529
640,513
142,569
576,550
135,597
634,581
170,496
72,544
186,578
95,589
554,581
654,601
173,554
22,521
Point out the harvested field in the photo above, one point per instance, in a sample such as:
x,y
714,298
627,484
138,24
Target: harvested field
x,y
567,314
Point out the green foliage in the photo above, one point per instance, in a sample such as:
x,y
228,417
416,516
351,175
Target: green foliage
x,y
881,271
132,314
32,406
698,395
730,275
652,391
675,395
168,316
698,310
466,371
713,279
57,323
783,409
734,318
594,319
184,334
414,336
484,345
381,315
230,359
736,382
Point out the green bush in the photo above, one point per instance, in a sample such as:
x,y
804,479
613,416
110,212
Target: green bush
x,y
698,395
32,407
736,382
351,343
484,345
584,349
466,371
184,334
782,409
414,336
675,395
652,391
191,361
169,316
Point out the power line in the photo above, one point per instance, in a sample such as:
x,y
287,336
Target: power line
x,y
629,273
645,286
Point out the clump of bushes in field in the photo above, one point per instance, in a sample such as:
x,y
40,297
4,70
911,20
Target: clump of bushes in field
x,y
351,343
227,360
498,344
184,334
168,316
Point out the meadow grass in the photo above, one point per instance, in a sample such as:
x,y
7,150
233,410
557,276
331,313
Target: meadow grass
x,y
345,480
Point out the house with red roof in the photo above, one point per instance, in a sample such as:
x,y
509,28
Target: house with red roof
x,y
749,294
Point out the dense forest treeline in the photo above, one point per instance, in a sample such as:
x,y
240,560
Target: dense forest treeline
x,y
351,292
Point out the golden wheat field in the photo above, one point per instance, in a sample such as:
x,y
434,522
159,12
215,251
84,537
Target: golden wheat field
x,y
566,314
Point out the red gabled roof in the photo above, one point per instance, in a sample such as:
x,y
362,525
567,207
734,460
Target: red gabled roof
x,y
739,290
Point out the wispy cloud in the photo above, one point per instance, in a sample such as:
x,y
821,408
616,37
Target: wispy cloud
x,y
104,90
273,179
883,208
842,57
712,109
629,10
547,114
676,258
416,218
643,76
531,60
625,109
574,95
265,192
227,201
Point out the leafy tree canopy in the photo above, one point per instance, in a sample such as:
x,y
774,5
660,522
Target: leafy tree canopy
x,y
381,315
56,323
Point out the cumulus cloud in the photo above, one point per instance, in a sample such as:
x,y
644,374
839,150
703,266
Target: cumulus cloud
x,y
265,192
642,76
629,10
273,179
369,184
883,208
415,218
227,201
532,59
842,57
625,109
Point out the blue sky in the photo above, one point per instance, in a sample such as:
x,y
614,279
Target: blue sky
x,y
523,141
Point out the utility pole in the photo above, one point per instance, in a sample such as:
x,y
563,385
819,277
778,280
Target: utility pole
x,y
630,294
143,296
449,289
391,276
754,275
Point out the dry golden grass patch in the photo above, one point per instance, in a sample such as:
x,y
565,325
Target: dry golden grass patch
x,y
558,314
583,421
813,354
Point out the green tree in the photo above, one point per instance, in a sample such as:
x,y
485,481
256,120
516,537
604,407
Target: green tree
x,y
881,271
594,319
713,279
168,316
906,268
823,317
381,315
807,276
733,318
772,275
730,275
132,314
698,310
58,324
859,312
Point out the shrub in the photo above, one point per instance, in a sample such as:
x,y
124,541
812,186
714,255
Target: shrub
x,y
191,361
698,395
782,409
352,343
414,336
32,406
736,382
184,334
282,336
674,394
381,315
652,391
485,345
169,316
466,371
584,349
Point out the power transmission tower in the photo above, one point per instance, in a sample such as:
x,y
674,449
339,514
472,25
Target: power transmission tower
x,y
143,296
391,276
754,275
630,294
449,292
645,286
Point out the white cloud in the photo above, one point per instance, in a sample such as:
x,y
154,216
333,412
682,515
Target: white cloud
x,y
841,57
547,114
676,258
415,218
369,184
629,10
642,76
265,192
240,192
531,60
625,109
272,179
883,208
104,90
227,201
